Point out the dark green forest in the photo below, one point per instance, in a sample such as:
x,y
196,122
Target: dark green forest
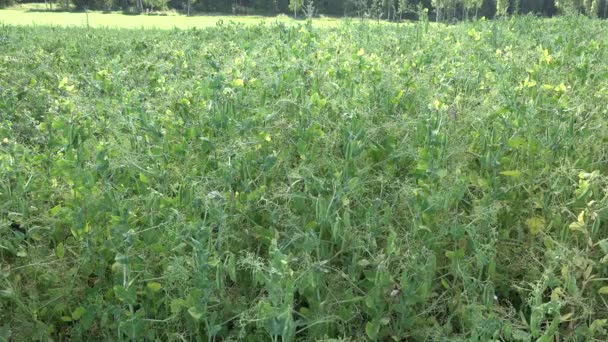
x,y
394,10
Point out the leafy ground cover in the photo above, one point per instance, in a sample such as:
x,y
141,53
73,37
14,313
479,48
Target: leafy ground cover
x,y
275,182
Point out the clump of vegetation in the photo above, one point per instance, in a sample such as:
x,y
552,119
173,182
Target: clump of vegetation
x,y
419,182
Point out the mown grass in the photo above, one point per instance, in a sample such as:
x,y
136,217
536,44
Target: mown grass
x,y
118,20
276,182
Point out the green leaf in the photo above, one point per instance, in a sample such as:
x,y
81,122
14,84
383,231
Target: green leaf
x,y
5,332
363,263
597,324
372,329
126,295
78,313
177,305
516,142
442,173
195,313
520,335
455,255
232,267
511,173
143,178
603,290
60,250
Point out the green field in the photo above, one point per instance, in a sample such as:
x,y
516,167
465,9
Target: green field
x,y
297,183
117,20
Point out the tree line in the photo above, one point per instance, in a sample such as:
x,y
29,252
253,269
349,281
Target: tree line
x,y
437,10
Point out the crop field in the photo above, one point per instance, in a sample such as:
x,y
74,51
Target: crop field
x,y
296,183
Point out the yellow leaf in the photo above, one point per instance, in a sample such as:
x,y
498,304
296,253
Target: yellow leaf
x,y
547,87
511,173
154,287
63,82
530,83
535,224
561,88
566,317
577,226
556,294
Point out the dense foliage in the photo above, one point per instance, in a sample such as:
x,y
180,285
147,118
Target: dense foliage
x,y
5,3
409,182
441,10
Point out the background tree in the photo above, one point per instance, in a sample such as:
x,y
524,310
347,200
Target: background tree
x,y
566,6
595,8
404,7
154,5
309,9
472,5
502,8
439,7
444,10
295,6
360,7
377,9
5,3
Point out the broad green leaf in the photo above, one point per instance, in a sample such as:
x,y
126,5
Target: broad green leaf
x,y
603,290
78,313
455,255
372,329
5,332
195,313
516,142
60,250
597,324
442,173
177,305
126,295
363,263
520,335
